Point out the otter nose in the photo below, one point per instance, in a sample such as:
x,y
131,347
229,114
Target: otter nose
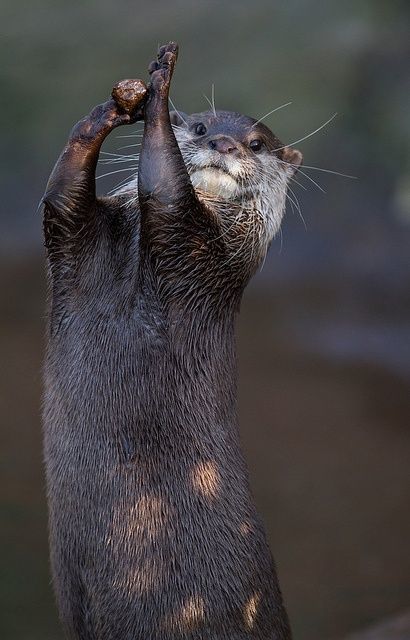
x,y
223,144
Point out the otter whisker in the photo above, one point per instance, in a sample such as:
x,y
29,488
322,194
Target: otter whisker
x,y
263,262
303,174
118,187
266,252
302,186
125,183
129,146
293,198
108,153
212,101
313,181
130,202
292,203
132,135
208,100
130,158
268,174
119,157
281,240
297,205
117,171
282,106
310,180
309,135
336,173
113,163
178,112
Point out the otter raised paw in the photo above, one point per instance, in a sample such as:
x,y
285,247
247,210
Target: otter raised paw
x,y
162,68
70,193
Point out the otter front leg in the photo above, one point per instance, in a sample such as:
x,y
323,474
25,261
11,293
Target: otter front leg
x,y
163,180
70,193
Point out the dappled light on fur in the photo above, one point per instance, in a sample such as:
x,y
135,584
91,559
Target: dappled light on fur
x,y
251,609
245,528
189,616
206,479
148,517
140,526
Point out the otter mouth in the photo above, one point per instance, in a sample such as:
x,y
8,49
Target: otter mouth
x,y
212,165
215,180
219,167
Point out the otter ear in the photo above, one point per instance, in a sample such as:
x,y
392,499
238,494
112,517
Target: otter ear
x,y
178,118
293,157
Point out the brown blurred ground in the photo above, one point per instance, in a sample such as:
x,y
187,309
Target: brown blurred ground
x,y
328,450
394,628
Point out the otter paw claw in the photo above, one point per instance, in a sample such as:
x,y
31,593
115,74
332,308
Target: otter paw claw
x,y
162,68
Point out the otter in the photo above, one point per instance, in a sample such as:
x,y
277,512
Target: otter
x,y
153,530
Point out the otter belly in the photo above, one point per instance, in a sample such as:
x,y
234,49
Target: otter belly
x,y
152,528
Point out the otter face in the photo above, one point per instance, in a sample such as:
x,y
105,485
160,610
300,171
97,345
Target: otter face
x,y
235,158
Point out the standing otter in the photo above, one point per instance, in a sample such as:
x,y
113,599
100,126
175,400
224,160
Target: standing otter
x,y
153,531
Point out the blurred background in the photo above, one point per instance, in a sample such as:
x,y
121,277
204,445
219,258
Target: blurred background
x,y
324,329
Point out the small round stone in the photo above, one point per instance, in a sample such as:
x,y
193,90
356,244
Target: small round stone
x,y
129,94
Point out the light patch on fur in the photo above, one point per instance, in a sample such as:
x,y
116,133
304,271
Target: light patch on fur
x,y
245,528
193,611
189,616
206,479
251,609
142,522
214,181
139,525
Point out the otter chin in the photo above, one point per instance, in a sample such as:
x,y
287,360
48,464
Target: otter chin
x,y
214,181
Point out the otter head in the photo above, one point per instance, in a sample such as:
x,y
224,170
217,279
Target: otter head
x,y
237,159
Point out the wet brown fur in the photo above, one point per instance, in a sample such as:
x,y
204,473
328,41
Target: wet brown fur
x,y
153,530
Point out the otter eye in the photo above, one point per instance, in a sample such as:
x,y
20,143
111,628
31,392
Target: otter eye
x,y
200,129
256,145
